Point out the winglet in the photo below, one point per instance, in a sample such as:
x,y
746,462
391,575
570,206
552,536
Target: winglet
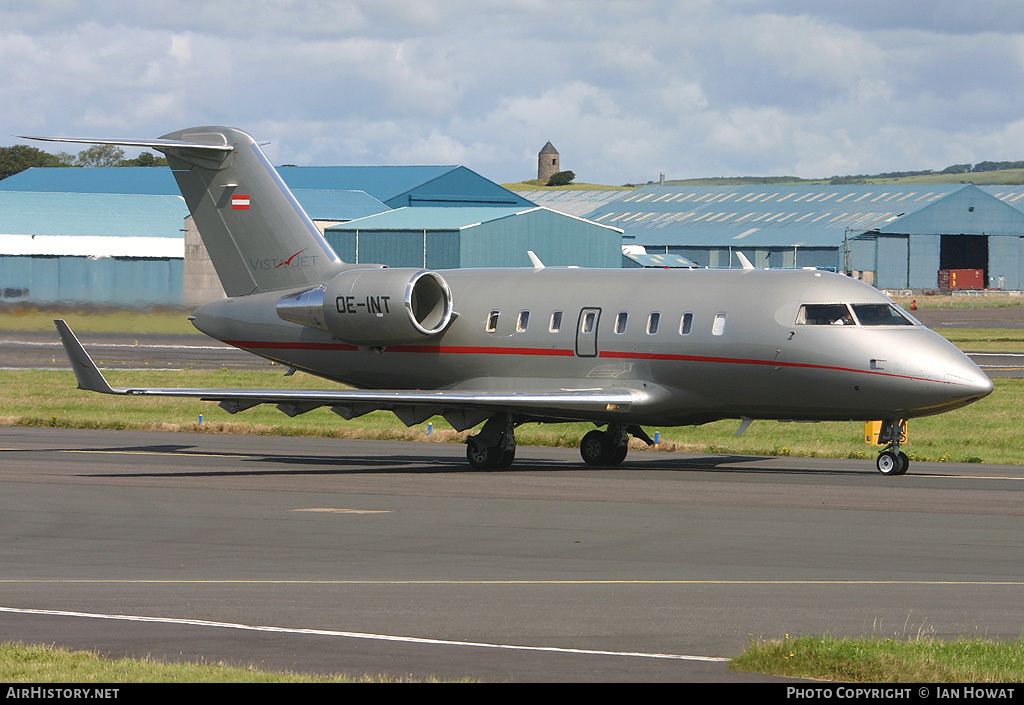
x,y
743,260
88,375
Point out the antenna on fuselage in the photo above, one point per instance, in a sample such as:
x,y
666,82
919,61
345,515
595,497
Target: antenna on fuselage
x,y
743,260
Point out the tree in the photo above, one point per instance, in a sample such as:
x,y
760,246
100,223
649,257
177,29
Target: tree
x,y
100,155
21,157
144,159
561,178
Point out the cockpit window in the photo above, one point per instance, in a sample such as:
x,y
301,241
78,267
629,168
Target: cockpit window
x,y
880,315
862,314
824,315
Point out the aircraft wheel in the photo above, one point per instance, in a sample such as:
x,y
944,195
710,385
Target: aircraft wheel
x,y
618,455
505,459
595,448
482,456
890,463
904,463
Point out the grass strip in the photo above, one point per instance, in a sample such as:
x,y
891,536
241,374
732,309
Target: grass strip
x,y
975,434
20,663
875,660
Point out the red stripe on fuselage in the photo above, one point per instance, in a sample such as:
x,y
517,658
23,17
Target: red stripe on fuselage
x,y
480,350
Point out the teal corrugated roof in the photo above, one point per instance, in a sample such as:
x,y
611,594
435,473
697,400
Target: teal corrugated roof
x,y
762,215
152,180
426,218
577,202
968,211
327,204
395,186
381,182
118,215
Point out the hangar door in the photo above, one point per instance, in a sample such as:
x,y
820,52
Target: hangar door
x,y
964,252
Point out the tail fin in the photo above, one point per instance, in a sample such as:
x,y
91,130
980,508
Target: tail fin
x,y
258,236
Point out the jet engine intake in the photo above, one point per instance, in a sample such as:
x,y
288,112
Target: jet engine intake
x,y
374,307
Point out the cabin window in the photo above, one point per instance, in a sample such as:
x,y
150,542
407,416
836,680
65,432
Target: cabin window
x,y
620,322
719,326
685,324
556,322
492,321
880,315
824,315
522,321
652,323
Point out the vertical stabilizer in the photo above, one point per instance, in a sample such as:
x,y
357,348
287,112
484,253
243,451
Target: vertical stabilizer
x,y
258,236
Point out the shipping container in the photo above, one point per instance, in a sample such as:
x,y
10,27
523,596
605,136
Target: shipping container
x,y
961,279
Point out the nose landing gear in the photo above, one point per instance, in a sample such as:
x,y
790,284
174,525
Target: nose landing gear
x,y
893,461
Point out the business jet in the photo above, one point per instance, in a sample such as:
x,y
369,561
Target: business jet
x,y
498,348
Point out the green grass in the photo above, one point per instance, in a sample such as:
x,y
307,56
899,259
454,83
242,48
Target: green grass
x,y
538,185
985,339
977,433
873,660
997,177
44,664
159,321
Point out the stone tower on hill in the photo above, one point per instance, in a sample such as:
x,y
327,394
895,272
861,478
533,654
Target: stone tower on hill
x,y
547,163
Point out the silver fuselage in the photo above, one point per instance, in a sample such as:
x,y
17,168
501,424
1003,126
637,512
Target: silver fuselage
x,y
744,354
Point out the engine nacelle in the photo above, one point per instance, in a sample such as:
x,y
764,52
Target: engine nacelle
x,y
374,307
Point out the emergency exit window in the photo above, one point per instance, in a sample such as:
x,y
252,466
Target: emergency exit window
x,y
719,326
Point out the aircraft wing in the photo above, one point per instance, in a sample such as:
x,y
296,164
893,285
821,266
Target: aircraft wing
x,y
463,408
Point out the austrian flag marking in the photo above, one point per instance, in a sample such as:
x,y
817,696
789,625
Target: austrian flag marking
x,y
240,202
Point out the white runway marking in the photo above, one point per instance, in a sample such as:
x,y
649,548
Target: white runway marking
x,y
354,635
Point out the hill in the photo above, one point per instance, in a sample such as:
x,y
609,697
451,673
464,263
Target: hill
x,y
980,174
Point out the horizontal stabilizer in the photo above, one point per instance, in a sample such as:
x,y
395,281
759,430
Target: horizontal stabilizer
x,y
157,144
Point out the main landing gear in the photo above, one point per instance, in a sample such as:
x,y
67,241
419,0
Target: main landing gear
x,y
892,461
494,448
606,448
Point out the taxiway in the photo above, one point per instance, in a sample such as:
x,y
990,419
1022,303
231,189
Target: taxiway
x,y
380,557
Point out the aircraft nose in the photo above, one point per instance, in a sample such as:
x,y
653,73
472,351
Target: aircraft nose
x,y
966,381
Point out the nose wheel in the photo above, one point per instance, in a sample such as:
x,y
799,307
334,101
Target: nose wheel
x,y
893,461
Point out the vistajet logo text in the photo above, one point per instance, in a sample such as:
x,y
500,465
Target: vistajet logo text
x,y
296,260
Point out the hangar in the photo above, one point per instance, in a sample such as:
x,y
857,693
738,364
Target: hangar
x,y
452,215
449,238
104,249
896,236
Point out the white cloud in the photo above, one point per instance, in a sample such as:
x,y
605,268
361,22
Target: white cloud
x,y
624,89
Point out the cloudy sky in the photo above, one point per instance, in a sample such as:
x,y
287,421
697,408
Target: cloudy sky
x,y
624,89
